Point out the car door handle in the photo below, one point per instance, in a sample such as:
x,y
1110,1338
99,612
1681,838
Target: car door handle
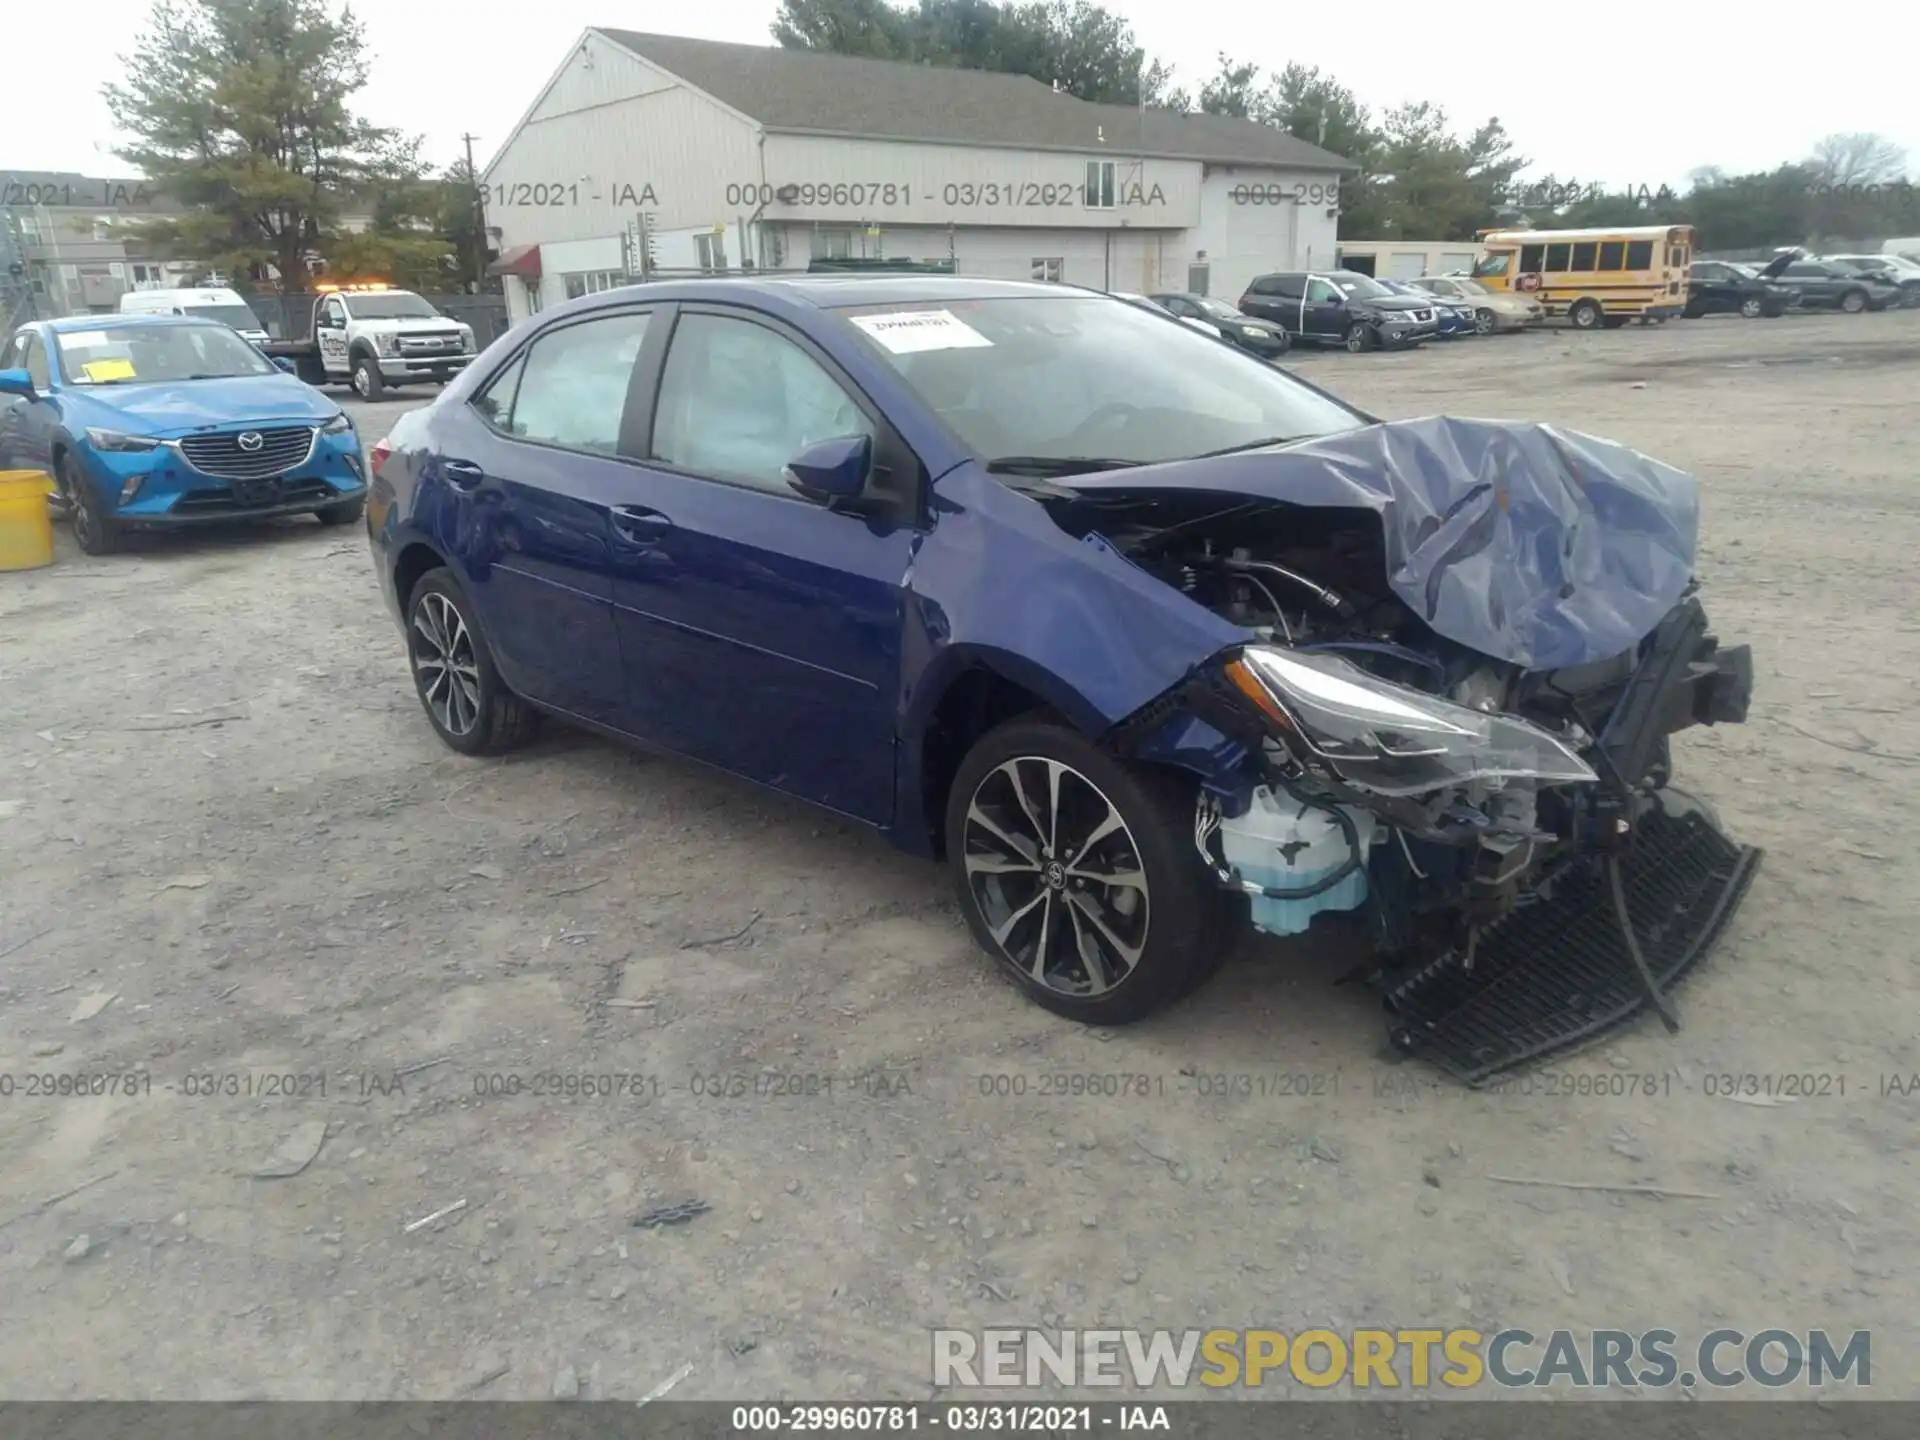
x,y
462,474
640,522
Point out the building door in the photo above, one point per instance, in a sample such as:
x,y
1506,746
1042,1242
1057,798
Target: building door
x,y
1197,277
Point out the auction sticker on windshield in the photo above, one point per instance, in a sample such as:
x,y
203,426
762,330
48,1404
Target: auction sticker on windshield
x,y
103,370
906,332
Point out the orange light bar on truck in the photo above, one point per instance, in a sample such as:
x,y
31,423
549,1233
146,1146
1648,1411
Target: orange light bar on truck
x,y
329,287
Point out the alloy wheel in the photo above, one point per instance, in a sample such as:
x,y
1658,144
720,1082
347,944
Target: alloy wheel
x,y
444,665
1056,875
1483,322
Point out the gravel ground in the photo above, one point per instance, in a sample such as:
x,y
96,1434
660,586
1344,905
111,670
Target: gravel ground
x,y
222,816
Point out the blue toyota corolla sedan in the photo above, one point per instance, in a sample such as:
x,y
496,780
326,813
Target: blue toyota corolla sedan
x,y
1149,640
150,421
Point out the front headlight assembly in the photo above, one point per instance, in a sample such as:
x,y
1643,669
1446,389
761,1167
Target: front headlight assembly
x,y
1387,738
119,442
340,424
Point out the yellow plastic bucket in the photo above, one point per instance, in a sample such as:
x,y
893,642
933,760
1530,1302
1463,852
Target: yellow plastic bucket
x,y
26,530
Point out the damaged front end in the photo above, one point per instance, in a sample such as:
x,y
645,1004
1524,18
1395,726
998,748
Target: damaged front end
x,y
1507,831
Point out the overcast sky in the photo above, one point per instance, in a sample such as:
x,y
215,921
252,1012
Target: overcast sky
x,y
1715,88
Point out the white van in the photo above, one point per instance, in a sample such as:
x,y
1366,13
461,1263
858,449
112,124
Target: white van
x,y
226,306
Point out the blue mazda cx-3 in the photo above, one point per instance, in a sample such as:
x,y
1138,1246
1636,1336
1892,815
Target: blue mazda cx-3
x,y
155,421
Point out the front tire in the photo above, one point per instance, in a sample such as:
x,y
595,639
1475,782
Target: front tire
x,y
347,512
1854,301
368,383
467,703
1360,338
1078,874
1751,308
94,531
1483,322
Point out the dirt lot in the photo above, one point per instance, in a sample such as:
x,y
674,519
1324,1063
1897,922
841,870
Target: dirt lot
x,y
312,888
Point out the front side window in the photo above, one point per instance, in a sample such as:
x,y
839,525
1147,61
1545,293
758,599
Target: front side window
x,y
333,314
35,364
1322,291
1073,375
573,387
738,401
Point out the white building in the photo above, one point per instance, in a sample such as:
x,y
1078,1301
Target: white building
x,y
684,156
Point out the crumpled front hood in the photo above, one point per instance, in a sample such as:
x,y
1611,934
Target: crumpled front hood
x,y
1535,545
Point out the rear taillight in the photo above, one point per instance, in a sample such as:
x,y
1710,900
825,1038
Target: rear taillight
x,y
377,456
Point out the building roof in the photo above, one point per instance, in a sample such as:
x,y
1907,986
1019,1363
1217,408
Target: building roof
x,y
806,92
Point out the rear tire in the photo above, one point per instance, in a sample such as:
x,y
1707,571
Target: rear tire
x,y
467,703
1037,815
1585,315
95,532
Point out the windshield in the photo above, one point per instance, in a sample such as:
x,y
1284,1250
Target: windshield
x,y
389,305
133,354
1220,310
1359,286
237,316
1494,264
1080,376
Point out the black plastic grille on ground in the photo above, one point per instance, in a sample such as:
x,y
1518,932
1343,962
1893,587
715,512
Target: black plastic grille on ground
x,y
1555,974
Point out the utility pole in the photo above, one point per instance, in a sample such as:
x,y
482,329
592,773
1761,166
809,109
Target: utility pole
x,y
479,219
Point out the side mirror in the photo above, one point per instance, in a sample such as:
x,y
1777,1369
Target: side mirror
x,y
281,362
830,472
18,382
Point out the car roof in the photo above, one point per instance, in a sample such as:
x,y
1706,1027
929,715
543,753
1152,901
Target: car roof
x,y
794,295
72,323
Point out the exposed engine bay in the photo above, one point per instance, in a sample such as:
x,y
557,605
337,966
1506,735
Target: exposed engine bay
x,y
1354,760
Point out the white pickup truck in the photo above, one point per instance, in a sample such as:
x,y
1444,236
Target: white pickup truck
x,y
372,337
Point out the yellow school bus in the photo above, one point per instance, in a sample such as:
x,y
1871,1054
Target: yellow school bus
x,y
1592,277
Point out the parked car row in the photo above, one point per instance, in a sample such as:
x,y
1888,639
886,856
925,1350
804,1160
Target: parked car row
x,y
1348,309
1794,280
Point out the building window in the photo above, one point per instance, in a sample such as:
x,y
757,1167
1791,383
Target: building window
x,y
103,227
1100,184
1048,269
833,245
30,231
711,252
592,282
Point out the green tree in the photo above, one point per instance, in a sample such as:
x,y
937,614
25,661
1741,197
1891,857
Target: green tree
x,y
241,110
1087,49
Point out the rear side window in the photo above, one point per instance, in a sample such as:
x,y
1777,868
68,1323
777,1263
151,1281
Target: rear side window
x,y
1280,287
571,389
1612,253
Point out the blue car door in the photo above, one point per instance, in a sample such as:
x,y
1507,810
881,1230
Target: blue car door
x,y
761,632
531,471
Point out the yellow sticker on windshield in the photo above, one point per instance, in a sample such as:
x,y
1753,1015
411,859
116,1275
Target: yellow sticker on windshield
x,y
115,369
